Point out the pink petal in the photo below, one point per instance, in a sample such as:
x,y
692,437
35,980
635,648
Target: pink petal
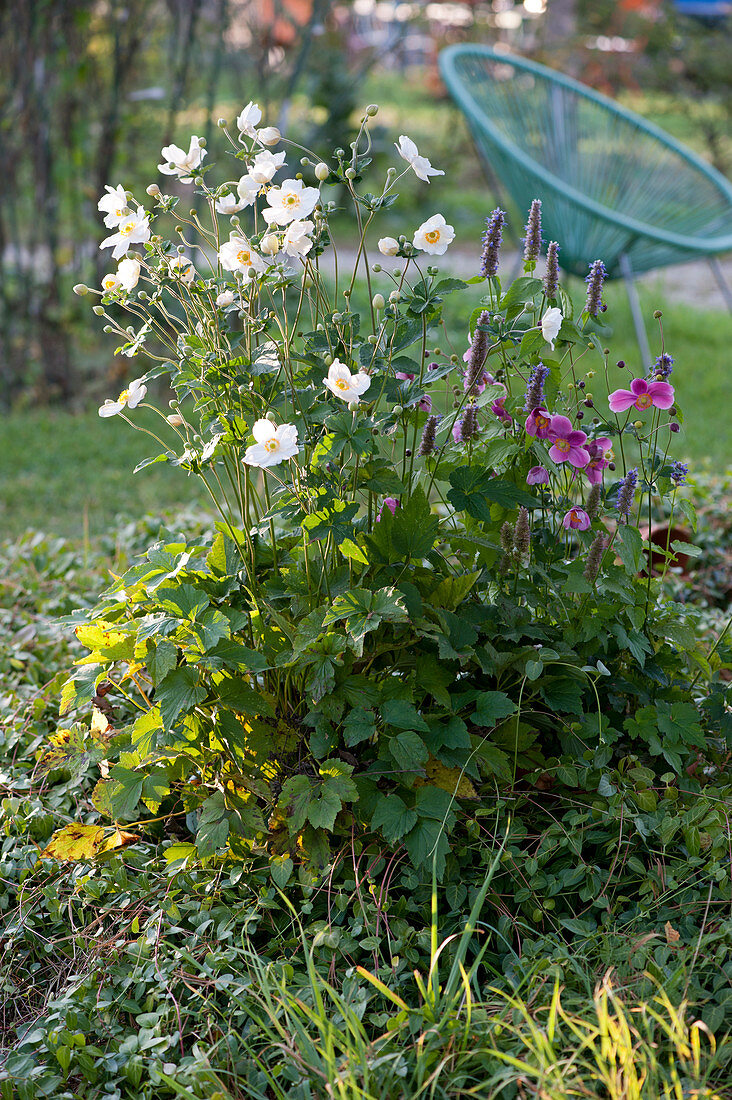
x,y
639,386
620,400
561,426
576,437
557,455
662,394
578,456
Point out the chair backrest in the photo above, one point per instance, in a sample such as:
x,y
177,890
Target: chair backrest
x,y
609,181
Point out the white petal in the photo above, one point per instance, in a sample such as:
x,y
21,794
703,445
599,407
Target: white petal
x,y
264,430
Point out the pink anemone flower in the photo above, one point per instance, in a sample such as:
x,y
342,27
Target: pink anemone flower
x,y
642,394
567,443
576,519
425,403
600,458
537,475
389,502
404,377
538,423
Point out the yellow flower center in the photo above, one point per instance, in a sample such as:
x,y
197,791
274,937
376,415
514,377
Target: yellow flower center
x,y
118,213
644,401
433,236
110,282
244,257
271,445
542,421
125,230
573,517
341,384
292,199
564,446
124,397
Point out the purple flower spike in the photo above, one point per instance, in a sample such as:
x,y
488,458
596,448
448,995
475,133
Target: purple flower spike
x,y
492,240
642,394
576,519
595,280
567,443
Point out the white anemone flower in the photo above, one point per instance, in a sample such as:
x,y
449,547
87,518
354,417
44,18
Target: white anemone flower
x,y
229,204
551,323
264,166
225,298
238,255
176,162
134,229
274,444
110,282
128,399
183,268
295,241
128,274
420,165
290,202
247,189
388,246
250,118
434,235
114,205
347,386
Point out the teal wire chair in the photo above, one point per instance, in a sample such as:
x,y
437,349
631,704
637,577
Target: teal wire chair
x,y
613,186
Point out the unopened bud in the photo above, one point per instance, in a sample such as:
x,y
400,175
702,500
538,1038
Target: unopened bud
x,y
99,310
221,122
81,289
372,109
269,244
175,420
269,135
352,406
394,296
350,173
657,314
397,410
378,301
638,424
322,171
269,416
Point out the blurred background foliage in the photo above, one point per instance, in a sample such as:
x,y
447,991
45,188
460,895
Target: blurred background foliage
x,y
90,90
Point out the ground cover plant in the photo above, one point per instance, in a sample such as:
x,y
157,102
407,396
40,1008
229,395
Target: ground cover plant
x,y
416,702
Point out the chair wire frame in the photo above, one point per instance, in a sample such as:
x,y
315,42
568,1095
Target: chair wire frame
x,y
613,186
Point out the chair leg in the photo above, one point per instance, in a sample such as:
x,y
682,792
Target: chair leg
x,y
640,329
722,283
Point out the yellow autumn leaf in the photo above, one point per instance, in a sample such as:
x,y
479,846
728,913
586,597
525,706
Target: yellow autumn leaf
x,y
100,723
452,780
77,843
